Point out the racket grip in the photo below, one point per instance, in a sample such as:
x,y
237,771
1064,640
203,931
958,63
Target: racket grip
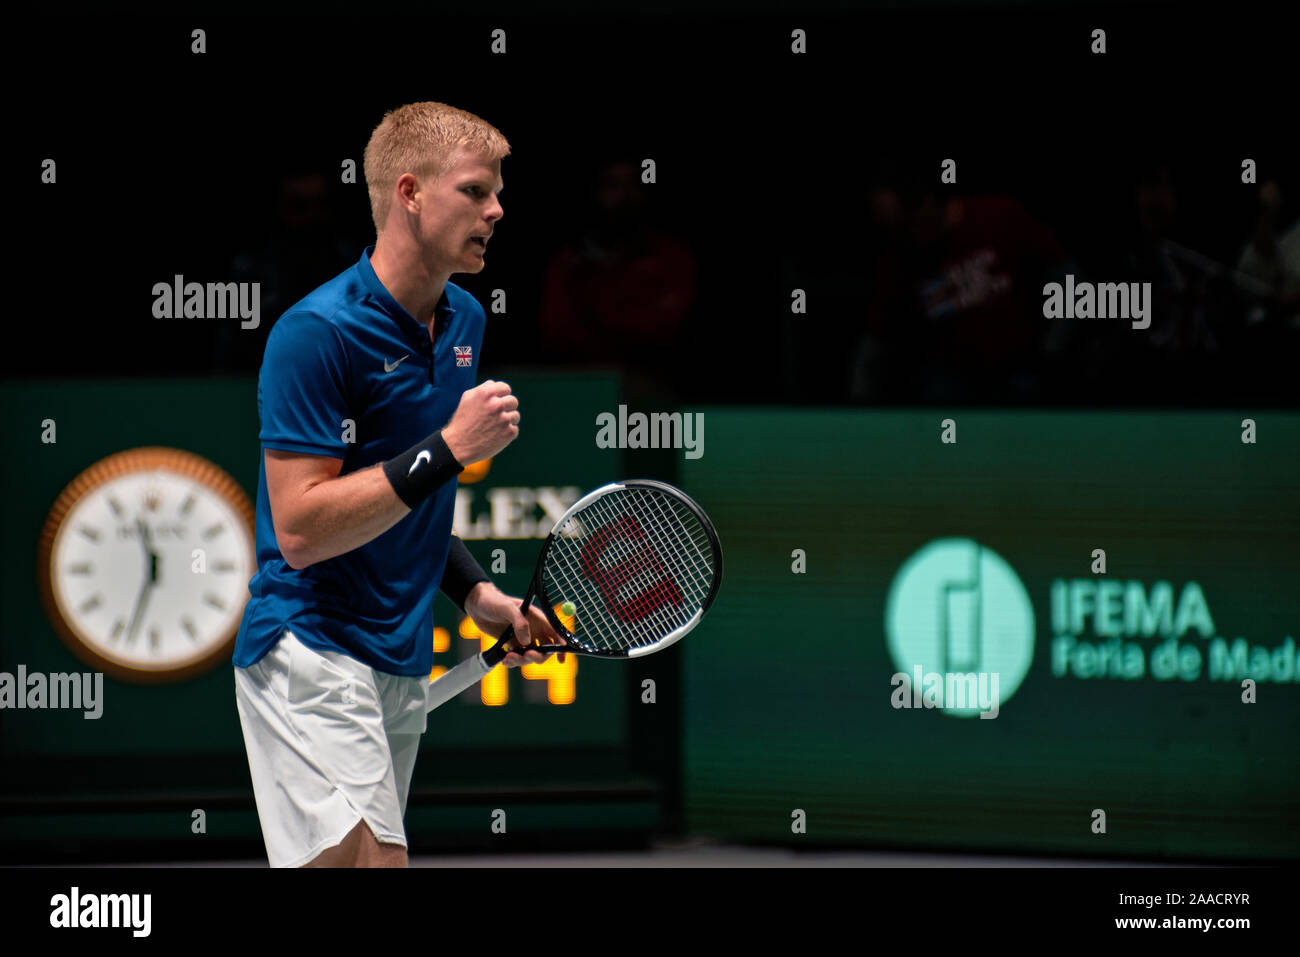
x,y
466,674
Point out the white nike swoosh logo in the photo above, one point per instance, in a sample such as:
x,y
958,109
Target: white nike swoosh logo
x,y
424,456
390,368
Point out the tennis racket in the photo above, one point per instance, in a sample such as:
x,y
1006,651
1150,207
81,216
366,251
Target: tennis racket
x,y
641,564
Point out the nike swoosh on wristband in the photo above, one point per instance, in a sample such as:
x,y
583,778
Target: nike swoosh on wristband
x,y
390,368
424,456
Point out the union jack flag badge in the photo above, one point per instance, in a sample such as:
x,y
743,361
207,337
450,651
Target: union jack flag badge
x,y
464,355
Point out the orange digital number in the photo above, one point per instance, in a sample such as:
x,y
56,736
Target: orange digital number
x,y
441,642
494,688
561,679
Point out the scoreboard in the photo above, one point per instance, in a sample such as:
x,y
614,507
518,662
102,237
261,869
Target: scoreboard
x,y
504,510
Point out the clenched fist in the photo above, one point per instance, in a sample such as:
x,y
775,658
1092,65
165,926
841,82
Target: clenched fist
x,y
486,421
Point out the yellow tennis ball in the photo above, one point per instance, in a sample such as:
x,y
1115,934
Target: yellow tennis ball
x,y
568,609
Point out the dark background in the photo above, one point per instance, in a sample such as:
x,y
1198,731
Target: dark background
x,y
771,171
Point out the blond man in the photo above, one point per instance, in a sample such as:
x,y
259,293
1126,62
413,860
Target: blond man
x,y
369,412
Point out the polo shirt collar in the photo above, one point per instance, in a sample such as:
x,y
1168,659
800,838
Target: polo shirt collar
x,y
410,325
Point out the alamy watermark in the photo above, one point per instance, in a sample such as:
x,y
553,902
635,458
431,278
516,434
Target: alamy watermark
x,y
179,299
74,909
1103,300
659,430
83,692
949,690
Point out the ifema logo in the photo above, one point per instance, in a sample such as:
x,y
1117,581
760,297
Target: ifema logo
x,y
960,628
961,631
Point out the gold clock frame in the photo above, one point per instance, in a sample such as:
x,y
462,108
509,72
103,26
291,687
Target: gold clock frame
x,y
146,458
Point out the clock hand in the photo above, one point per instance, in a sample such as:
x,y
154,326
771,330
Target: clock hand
x,y
139,611
148,582
149,552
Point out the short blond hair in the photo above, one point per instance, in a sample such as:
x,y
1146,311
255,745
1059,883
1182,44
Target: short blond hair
x,y
421,139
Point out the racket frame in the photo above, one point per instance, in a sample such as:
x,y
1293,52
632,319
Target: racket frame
x,y
537,586
473,668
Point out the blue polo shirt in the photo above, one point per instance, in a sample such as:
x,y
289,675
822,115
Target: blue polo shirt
x,y
349,374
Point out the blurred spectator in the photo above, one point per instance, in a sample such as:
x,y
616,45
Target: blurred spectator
x,y
1272,257
302,248
622,290
1201,308
1183,293
957,311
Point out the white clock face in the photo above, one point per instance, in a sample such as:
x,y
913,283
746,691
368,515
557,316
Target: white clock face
x,y
151,570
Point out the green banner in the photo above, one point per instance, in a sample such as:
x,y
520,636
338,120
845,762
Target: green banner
x,y
1040,632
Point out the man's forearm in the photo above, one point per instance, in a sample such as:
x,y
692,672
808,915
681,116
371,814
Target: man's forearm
x,y
335,516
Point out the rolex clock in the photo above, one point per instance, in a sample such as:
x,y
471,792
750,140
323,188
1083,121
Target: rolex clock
x,y
144,564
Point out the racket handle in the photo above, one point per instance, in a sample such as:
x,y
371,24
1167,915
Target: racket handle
x,y
466,674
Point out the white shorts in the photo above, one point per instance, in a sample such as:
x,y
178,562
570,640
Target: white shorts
x,y
330,742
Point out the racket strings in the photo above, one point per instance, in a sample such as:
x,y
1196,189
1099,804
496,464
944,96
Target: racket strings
x,y
613,558
637,563
671,540
687,531
691,569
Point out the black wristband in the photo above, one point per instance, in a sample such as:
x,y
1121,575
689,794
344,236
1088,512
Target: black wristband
x,y
422,469
461,573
